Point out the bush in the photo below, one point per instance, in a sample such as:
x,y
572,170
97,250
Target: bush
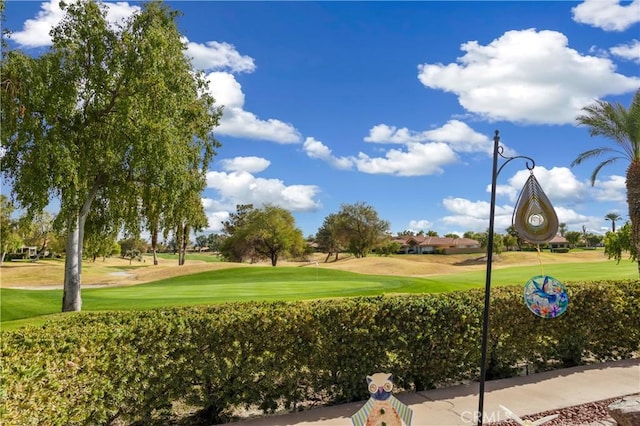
x,y
15,256
99,368
560,250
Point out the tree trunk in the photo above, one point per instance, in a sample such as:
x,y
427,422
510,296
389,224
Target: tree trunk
x,y
40,252
71,299
184,242
179,238
633,201
274,259
154,244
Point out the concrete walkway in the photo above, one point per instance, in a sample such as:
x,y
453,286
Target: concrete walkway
x,y
458,405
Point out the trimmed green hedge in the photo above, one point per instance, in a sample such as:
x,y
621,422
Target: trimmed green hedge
x,y
99,368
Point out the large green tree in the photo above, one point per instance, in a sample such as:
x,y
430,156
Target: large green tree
x,y
622,127
273,233
37,230
573,238
105,113
362,228
616,243
10,239
264,233
234,248
331,237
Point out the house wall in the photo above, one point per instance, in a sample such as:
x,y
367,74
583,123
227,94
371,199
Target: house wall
x,y
463,250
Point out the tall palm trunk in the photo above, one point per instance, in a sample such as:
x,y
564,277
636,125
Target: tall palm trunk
x,y
633,201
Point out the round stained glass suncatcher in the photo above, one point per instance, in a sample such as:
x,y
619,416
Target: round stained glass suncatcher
x,y
545,296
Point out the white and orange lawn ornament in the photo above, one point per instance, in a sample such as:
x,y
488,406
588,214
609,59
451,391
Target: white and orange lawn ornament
x,y
521,422
382,408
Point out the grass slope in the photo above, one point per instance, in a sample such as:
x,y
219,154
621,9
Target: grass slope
x,y
227,285
286,283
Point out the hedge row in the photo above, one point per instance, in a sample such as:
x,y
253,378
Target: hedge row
x,y
99,368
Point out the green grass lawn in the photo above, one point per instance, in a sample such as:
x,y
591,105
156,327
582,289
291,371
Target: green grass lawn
x,y
204,257
284,283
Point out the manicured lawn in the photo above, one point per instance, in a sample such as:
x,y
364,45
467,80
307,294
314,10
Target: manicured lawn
x,y
204,257
286,283
565,272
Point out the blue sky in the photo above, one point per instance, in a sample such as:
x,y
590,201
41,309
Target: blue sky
x,y
395,103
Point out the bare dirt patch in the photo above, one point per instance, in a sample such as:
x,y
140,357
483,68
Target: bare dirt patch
x,y
429,264
110,272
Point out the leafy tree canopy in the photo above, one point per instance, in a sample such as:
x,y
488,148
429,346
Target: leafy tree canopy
x,y
109,114
265,233
620,242
361,228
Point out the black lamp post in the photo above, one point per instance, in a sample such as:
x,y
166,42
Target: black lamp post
x,y
497,151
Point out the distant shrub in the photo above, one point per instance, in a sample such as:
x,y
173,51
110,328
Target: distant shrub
x,y
560,250
99,368
15,256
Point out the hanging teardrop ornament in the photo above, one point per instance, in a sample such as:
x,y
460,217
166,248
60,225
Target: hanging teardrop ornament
x,y
534,218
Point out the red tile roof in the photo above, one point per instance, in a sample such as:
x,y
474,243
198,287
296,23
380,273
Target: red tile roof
x,y
428,241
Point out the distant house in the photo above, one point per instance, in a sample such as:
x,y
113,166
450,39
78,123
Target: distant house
x,y
558,242
445,245
24,252
313,245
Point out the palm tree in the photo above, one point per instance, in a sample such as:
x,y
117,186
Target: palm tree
x,y
613,217
622,127
562,228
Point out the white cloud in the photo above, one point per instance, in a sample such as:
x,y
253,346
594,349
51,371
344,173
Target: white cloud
x,y
383,133
316,149
461,137
420,225
215,219
415,158
225,89
213,55
241,187
572,218
239,123
562,186
630,51
527,76
119,11
559,183
614,189
245,164
610,15
474,215
418,160
456,133
243,124
35,32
